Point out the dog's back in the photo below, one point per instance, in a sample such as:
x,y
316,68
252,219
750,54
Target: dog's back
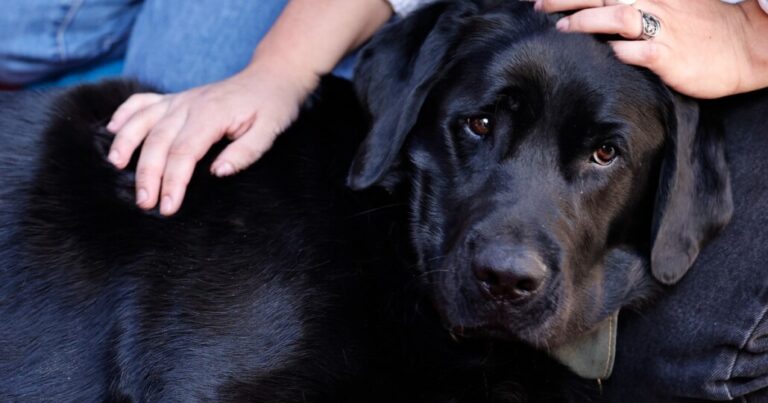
x,y
101,300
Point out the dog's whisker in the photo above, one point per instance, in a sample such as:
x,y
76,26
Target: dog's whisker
x,y
373,210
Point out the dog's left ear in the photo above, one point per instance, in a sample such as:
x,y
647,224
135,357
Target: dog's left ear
x,y
693,201
395,73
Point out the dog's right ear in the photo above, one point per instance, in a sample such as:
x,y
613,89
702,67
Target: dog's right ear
x,y
394,75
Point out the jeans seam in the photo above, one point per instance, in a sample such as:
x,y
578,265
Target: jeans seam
x,y
68,18
743,345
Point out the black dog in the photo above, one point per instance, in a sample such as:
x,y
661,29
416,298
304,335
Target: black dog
x,y
534,187
531,156
279,284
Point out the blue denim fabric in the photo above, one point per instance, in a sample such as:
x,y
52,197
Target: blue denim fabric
x,y
178,44
707,338
42,38
172,44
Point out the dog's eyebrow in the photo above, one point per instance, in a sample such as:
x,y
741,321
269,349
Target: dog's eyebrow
x,y
614,132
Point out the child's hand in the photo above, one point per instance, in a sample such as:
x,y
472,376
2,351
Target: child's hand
x,y
251,108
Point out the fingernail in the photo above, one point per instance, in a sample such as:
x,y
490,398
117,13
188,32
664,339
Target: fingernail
x,y
141,196
113,157
224,169
563,24
166,205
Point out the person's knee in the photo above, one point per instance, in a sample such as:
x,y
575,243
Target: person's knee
x,y
42,38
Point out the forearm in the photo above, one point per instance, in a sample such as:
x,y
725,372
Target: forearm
x,y
311,36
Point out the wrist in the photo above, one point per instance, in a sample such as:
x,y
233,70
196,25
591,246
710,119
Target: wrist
x,y
282,67
756,48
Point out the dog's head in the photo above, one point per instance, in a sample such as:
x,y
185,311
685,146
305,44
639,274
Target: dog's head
x,y
543,172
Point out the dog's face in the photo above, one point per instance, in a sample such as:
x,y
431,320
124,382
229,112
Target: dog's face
x,y
534,160
526,171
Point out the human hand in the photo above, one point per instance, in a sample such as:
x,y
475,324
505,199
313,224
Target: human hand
x,y
251,108
705,48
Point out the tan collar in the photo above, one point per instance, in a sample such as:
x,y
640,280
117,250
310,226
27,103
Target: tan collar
x,y
592,354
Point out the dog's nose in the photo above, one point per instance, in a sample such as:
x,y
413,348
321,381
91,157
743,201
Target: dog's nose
x,y
509,273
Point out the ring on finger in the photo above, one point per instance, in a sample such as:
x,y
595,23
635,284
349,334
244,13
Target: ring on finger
x,y
651,26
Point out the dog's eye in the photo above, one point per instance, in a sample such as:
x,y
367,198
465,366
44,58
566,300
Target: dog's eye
x,y
479,125
604,155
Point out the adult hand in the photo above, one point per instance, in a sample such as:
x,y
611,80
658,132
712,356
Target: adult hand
x,y
251,108
705,48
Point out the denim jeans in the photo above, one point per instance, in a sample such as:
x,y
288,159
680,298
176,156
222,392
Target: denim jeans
x,y
43,38
178,44
171,44
707,336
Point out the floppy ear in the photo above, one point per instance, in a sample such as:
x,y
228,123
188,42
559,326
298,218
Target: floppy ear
x,y
693,202
394,75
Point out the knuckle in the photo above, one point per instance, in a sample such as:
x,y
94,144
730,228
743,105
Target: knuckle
x,y
155,140
147,171
133,99
183,151
652,54
245,153
625,16
127,138
175,180
120,144
575,22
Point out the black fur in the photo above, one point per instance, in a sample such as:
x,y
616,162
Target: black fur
x,y
280,284
515,230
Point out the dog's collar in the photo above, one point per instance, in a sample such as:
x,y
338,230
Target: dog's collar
x,y
591,355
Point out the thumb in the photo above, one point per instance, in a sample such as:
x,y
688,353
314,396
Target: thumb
x,y
246,149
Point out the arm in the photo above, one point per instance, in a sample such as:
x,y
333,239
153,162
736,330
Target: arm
x,y
250,108
313,35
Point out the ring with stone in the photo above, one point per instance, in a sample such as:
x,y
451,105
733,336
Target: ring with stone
x,y
651,26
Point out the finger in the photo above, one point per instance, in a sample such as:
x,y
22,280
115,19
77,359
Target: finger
x,y
154,154
246,150
195,138
649,54
178,173
133,133
553,6
133,104
620,20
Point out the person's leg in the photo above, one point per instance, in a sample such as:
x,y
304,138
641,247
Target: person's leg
x,y
707,338
179,44
42,38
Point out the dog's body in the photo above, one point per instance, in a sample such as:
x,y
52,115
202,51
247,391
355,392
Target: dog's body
x,y
280,284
